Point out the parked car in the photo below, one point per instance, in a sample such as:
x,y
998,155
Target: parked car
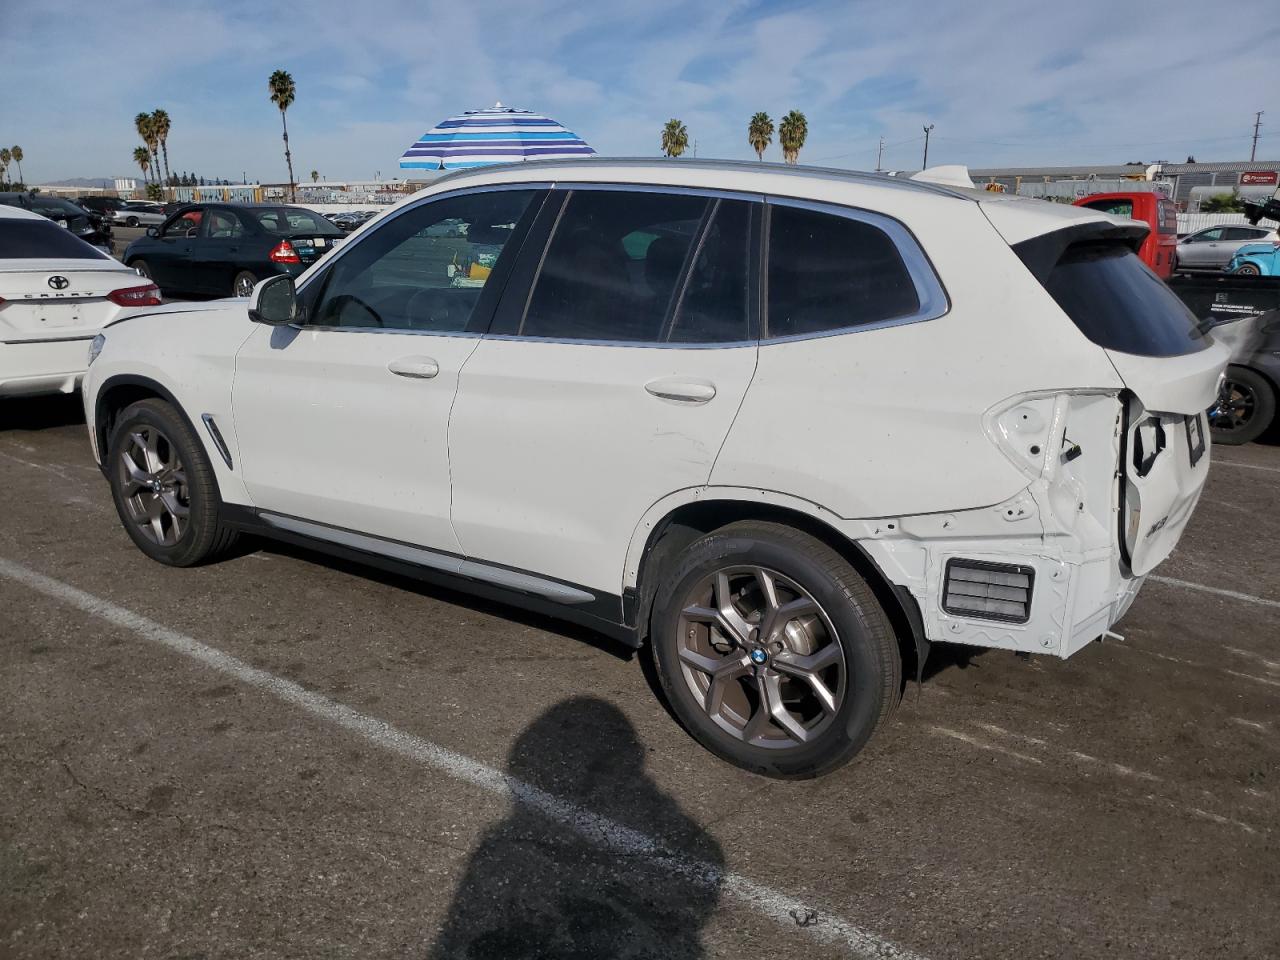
x,y
225,248
788,427
104,206
1159,250
1256,260
351,221
136,213
1213,248
1243,313
90,227
56,293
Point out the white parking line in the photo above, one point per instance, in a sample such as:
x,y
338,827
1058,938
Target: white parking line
x,y
594,828
1233,594
1246,466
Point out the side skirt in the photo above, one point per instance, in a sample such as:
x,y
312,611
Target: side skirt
x,y
599,612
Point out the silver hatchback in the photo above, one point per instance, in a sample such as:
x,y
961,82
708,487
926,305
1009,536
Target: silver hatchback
x,y
1213,247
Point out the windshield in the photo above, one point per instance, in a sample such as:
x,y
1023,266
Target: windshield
x,y
288,221
1119,304
42,240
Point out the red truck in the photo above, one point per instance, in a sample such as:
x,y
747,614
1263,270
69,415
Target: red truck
x,y
1160,250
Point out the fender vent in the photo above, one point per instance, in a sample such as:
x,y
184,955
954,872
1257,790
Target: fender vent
x,y
988,591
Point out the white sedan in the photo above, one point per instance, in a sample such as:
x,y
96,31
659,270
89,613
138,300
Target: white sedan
x,y
140,215
56,293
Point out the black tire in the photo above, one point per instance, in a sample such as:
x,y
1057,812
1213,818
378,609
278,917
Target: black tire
x,y
131,221
1247,270
143,268
243,277
873,664
1245,410
204,536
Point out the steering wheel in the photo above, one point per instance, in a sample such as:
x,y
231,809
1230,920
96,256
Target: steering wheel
x,y
339,303
437,312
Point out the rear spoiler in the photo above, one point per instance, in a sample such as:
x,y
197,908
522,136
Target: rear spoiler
x,y
1041,254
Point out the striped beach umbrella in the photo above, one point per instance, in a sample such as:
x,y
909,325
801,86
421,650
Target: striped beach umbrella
x,y
497,135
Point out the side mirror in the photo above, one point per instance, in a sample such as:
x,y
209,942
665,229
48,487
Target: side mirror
x,y
153,231
274,302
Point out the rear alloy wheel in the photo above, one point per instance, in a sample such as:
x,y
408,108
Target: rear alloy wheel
x,y
1247,270
243,284
1246,406
164,487
773,651
131,221
143,268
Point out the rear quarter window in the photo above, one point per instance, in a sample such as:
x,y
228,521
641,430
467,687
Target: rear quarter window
x,y
40,240
1119,304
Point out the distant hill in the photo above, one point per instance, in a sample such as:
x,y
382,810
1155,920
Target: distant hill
x,y
82,182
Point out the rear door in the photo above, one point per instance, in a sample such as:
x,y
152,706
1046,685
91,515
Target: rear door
x,y
217,250
619,356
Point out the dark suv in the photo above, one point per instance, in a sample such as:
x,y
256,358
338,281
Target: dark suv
x,y
90,227
104,207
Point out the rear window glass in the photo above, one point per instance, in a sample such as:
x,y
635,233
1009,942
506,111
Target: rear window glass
x,y
828,272
1168,217
41,239
1121,305
284,221
1117,208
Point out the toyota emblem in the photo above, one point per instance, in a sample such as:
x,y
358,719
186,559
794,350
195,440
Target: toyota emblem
x,y
59,283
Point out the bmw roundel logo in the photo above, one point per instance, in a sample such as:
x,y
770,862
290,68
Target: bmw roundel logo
x,y
59,283
758,656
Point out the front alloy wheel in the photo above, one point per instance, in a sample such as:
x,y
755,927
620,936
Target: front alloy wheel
x,y
153,486
759,655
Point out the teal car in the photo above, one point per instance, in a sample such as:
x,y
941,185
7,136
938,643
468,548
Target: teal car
x,y
1256,260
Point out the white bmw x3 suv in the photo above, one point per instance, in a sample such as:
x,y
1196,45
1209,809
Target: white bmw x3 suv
x,y
56,293
787,426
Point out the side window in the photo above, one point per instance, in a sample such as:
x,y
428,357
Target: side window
x,y
613,265
1241,233
827,272
184,225
425,269
1210,236
714,305
223,225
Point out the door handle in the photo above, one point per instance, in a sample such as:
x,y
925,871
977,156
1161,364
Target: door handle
x,y
420,368
683,391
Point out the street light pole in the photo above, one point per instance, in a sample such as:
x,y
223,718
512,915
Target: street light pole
x,y
1257,122
927,131
879,154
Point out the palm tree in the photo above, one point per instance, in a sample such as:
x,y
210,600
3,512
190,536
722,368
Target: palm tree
x,y
760,133
16,153
4,163
143,160
791,134
315,176
675,138
283,93
146,128
160,124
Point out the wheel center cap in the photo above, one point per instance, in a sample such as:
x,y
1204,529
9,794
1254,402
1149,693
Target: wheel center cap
x,y
758,656
156,485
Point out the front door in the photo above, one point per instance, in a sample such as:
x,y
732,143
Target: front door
x,y
168,256
616,363
342,419
1201,250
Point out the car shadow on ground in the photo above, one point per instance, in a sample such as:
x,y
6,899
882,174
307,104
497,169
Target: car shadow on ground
x,y
41,413
494,608
537,888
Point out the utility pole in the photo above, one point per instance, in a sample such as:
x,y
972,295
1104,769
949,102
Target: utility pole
x,y
879,154
927,131
1257,122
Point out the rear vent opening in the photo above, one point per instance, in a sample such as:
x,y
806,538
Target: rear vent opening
x,y
988,591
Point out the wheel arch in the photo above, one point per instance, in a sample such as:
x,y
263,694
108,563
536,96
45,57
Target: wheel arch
x,y
676,521
118,392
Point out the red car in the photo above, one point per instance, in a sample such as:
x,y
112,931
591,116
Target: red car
x,y
1159,250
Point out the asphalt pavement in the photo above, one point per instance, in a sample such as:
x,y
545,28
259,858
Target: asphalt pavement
x,y
281,755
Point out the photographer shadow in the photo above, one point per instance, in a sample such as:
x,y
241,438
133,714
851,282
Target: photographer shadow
x,y
536,889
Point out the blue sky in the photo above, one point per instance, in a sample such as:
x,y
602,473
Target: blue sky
x,y
1003,82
